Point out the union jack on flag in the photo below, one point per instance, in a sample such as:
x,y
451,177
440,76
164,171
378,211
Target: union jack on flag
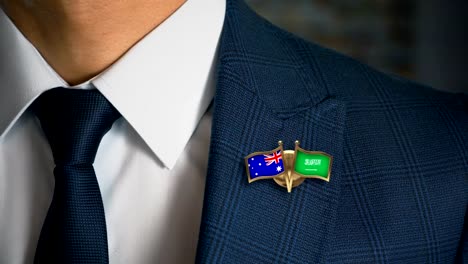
x,y
275,157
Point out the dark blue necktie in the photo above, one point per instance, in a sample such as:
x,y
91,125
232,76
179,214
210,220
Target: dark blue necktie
x,y
74,121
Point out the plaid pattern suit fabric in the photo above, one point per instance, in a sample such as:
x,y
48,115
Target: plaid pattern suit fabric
x,y
398,190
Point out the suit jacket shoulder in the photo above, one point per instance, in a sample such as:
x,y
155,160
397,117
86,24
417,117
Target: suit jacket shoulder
x,y
397,193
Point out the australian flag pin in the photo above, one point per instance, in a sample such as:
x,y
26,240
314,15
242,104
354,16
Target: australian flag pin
x,y
288,168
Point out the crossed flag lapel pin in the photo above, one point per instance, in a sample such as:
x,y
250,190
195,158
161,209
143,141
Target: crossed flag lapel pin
x,y
288,168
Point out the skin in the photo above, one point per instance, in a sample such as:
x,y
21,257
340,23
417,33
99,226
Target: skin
x,y
81,38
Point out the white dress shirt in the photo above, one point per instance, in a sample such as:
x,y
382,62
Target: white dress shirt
x,y
150,166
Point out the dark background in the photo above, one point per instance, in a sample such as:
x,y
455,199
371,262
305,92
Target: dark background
x,y
423,40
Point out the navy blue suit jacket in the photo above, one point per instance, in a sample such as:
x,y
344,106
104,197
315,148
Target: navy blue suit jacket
x,y
399,185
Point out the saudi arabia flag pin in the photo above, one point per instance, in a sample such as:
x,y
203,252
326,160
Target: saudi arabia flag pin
x,y
288,168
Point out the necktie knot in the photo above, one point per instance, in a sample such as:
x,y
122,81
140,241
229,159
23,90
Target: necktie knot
x,y
74,122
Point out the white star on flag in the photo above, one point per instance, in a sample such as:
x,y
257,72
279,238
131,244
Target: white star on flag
x,y
278,169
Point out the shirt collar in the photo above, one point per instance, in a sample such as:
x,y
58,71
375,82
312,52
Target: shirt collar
x,y
162,86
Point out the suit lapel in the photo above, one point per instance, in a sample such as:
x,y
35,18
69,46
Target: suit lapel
x,y
265,94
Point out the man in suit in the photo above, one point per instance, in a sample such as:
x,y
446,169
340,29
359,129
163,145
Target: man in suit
x,y
398,188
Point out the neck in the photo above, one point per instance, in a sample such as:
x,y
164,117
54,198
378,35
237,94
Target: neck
x,y
80,39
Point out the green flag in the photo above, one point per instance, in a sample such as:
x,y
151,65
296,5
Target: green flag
x,y
312,164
